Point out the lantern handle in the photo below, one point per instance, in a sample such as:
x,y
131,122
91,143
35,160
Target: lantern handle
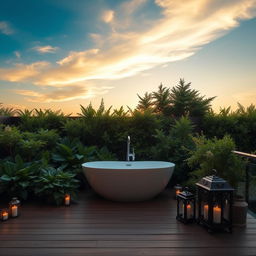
x,y
214,172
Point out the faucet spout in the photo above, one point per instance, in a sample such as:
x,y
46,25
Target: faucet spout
x,y
129,154
128,148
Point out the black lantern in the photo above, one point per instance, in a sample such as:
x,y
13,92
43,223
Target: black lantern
x,y
186,206
177,190
4,214
215,199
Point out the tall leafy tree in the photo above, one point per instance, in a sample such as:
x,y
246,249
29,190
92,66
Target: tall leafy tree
x,y
187,101
89,112
145,102
162,100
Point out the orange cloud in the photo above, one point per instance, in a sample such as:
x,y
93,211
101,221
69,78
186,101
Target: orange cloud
x,y
130,48
46,49
63,94
108,16
22,72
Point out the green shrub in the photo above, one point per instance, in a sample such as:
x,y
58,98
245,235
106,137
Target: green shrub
x,y
48,137
52,185
5,111
74,128
17,178
30,148
100,127
9,138
67,156
70,154
216,154
41,119
174,147
141,128
239,124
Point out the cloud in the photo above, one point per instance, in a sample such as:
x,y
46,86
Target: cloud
x,y
64,94
46,49
22,72
17,54
15,106
108,16
134,47
5,28
181,31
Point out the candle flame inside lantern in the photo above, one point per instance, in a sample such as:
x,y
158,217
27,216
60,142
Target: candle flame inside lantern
x,y
189,211
67,199
216,214
5,215
14,209
177,191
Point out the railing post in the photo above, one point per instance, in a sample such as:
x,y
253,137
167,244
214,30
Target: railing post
x,y
247,183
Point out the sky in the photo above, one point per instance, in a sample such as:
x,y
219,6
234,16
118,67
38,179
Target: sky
x,y
59,54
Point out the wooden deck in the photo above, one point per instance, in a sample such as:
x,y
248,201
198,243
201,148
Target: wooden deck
x,y
99,227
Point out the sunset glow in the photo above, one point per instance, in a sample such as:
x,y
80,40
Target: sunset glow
x,y
80,51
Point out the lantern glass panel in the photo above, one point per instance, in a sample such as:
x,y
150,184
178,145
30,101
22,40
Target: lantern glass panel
x,y
14,206
226,209
186,207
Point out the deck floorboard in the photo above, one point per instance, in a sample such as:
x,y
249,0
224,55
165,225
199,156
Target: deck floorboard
x,y
95,226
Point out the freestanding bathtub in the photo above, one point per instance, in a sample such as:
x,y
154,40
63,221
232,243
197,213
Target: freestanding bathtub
x,y
128,181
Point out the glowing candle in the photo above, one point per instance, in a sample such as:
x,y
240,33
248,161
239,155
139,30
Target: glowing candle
x,y
177,192
14,210
5,215
189,211
67,199
216,214
206,208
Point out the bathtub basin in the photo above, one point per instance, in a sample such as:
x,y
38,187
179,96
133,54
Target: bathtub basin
x,y
128,181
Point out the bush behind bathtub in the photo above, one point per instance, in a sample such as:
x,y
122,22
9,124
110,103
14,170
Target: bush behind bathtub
x,y
50,177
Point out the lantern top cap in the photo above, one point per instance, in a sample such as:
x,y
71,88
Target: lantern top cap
x,y
214,183
15,200
185,194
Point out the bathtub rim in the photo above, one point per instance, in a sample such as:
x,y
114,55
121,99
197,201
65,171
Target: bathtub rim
x,y
127,165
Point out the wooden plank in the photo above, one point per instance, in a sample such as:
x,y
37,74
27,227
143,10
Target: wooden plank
x,y
88,237
128,251
99,227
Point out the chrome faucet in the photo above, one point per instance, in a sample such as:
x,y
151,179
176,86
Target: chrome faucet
x,y
129,154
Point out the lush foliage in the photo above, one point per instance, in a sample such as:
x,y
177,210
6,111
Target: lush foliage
x,y
17,178
32,120
27,144
216,154
5,111
163,126
174,146
9,138
177,101
52,184
239,124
